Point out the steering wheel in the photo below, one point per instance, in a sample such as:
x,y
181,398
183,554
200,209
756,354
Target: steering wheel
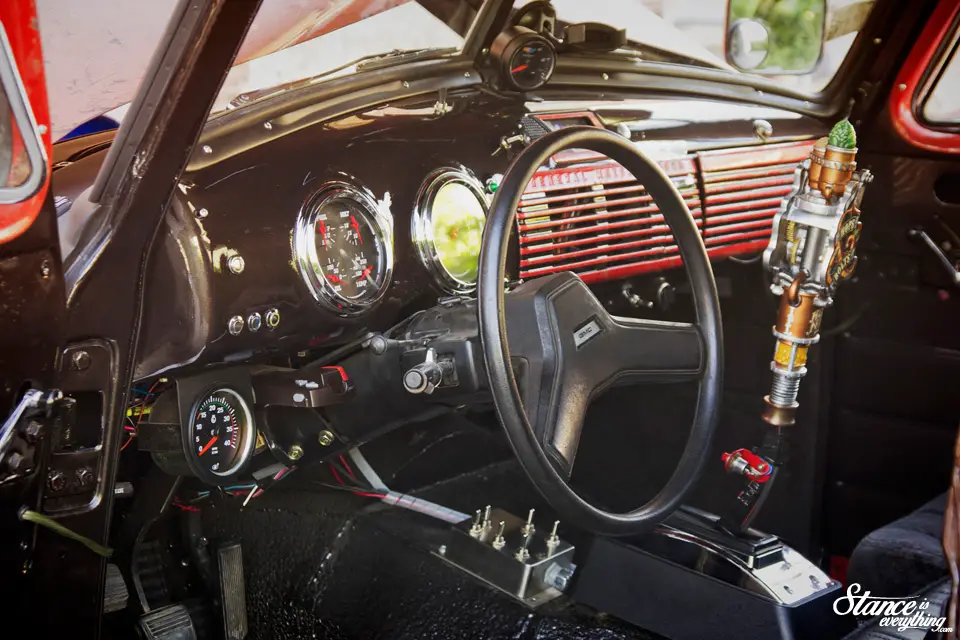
x,y
567,349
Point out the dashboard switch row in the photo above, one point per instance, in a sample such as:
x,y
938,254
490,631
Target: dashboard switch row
x,y
254,322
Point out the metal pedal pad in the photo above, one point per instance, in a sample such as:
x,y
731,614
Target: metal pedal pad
x,y
169,623
233,593
115,592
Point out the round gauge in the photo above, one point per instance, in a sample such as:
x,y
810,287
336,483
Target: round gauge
x,y
220,435
448,227
527,58
344,249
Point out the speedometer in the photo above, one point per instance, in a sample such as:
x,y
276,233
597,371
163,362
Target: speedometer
x,y
344,249
447,228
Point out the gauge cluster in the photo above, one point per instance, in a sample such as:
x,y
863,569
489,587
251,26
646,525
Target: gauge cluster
x,y
344,248
221,433
526,58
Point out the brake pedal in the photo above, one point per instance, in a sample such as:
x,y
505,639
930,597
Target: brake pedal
x,y
168,623
233,593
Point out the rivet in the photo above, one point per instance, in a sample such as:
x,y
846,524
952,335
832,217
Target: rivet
x,y
202,213
406,85
604,76
466,74
42,128
207,148
902,87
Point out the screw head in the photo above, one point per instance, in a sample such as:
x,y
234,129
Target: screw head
x,y
295,452
202,213
605,76
207,148
32,431
236,264
325,438
80,360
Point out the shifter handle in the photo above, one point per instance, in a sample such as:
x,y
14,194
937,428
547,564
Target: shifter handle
x,y
424,377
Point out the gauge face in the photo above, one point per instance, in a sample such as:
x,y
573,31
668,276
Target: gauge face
x,y
221,434
531,64
448,228
343,250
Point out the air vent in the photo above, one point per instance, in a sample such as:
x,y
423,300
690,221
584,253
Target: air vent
x,y
742,192
598,221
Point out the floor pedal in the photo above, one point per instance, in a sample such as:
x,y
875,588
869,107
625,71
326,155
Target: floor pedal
x,y
169,623
115,592
233,593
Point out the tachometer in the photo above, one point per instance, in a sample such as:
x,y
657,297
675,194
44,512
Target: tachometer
x,y
344,249
220,435
526,57
447,227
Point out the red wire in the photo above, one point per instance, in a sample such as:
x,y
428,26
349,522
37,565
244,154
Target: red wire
x,y
127,443
336,475
368,495
347,467
184,507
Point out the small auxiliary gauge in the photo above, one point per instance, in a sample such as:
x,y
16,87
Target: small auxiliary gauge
x,y
527,59
220,435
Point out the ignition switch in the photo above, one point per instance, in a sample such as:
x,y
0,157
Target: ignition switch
x,y
424,377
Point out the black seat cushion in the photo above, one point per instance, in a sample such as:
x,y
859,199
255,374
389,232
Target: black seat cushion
x,y
903,557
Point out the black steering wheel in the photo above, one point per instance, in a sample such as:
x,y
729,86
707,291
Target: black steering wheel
x,y
567,349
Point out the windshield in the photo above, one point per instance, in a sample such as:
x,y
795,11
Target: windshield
x,y
326,36
294,40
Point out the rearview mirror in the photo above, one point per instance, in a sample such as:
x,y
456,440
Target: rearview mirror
x,y
775,37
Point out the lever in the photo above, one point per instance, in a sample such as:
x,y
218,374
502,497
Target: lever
x,y
949,265
424,377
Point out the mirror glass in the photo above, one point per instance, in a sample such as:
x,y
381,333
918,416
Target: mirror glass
x,y
775,37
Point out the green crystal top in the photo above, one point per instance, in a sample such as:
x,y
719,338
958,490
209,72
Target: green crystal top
x,y
843,135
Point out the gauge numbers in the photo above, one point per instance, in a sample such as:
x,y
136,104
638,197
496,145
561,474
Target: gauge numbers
x,y
220,437
343,249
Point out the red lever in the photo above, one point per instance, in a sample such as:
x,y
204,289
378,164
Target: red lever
x,y
747,463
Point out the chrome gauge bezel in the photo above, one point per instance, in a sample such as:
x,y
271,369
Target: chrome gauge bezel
x,y
305,248
248,436
422,225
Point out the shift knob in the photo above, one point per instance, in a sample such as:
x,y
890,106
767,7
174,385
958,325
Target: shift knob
x,y
424,377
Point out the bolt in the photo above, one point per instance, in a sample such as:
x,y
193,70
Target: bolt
x,y
558,577
80,360
16,462
202,213
325,438
45,269
604,76
32,431
236,264
84,477
56,481
295,452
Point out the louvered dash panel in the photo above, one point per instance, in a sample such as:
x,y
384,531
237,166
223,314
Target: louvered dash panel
x,y
742,191
595,217
598,221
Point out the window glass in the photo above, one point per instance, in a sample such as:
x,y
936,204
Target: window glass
x,y
943,105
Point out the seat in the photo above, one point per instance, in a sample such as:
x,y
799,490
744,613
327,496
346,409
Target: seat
x,y
904,557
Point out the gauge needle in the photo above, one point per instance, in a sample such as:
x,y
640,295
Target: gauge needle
x,y
356,228
519,69
208,445
335,279
366,274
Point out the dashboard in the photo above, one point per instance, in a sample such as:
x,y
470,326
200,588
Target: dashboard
x,y
349,226
283,251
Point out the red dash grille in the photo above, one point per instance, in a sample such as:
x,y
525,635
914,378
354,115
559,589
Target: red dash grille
x,y
742,191
592,218
598,221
